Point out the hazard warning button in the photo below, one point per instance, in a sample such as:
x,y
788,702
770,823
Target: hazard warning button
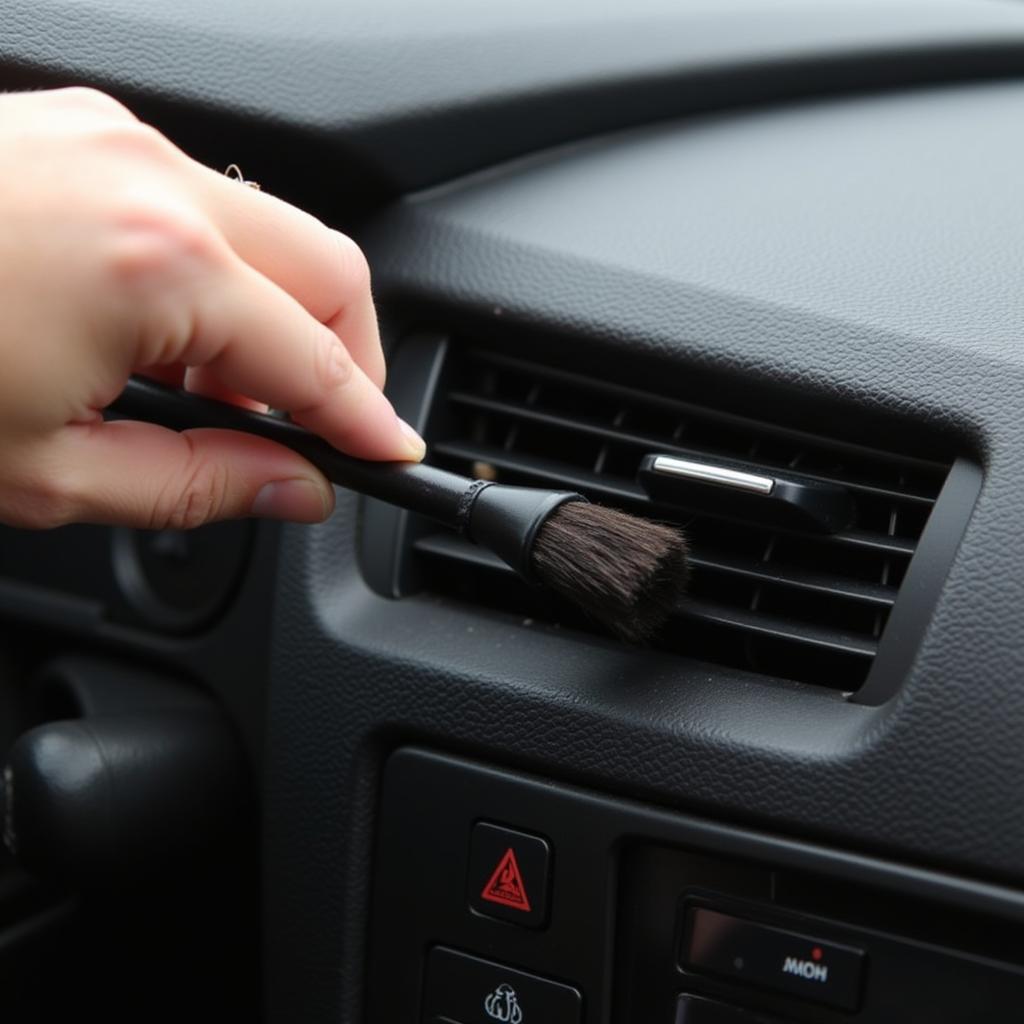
x,y
508,874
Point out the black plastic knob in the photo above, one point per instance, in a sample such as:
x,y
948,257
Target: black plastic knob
x,y
122,794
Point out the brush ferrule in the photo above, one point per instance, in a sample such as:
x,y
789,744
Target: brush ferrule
x,y
464,511
505,520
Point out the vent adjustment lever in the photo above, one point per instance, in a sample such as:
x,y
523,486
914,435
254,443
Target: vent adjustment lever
x,y
725,488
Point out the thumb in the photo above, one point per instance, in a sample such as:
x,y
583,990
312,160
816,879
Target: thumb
x,y
136,474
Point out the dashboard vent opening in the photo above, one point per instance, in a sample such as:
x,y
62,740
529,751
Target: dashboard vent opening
x,y
803,606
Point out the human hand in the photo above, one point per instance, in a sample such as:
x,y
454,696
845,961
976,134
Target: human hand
x,y
120,254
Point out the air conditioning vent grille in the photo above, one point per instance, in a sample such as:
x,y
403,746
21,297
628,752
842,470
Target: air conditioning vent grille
x,y
803,606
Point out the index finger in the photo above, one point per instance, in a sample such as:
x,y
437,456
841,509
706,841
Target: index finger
x,y
260,342
320,267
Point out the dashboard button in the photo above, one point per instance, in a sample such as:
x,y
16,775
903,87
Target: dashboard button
x,y
463,989
826,972
508,875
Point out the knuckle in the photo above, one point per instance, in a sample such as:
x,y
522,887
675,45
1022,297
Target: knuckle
x,y
133,139
334,366
94,99
152,243
196,498
353,265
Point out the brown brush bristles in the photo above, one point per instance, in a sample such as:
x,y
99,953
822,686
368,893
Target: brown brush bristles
x,y
626,573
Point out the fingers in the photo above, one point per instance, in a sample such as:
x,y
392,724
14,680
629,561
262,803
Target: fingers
x,y
79,98
323,269
136,474
262,302
259,341
126,256
200,380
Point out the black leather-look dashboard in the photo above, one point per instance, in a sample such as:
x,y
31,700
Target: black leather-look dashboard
x,y
417,93
859,256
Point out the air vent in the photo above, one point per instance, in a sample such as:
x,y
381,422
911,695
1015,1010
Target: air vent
x,y
791,603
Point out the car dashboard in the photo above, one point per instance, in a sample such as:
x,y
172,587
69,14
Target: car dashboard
x,y
783,239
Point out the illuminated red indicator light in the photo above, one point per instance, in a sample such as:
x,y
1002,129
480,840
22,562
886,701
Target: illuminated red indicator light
x,y
816,953
505,886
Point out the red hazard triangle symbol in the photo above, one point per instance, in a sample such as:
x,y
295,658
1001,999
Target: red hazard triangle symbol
x,y
506,884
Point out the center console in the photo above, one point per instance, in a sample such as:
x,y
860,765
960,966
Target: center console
x,y
501,897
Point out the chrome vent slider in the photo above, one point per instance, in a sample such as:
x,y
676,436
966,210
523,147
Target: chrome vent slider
x,y
706,472
784,500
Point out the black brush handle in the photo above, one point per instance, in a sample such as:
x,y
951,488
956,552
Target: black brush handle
x,y
443,496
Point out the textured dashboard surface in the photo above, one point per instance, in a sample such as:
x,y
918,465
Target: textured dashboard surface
x,y
417,92
866,254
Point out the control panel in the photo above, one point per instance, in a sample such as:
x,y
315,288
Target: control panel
x,y
499,897
752,953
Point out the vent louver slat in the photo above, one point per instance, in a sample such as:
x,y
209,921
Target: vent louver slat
x,y
455,548
533,415
801,580
516,468
806,606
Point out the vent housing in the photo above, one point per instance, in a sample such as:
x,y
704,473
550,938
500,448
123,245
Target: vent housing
x,y
787,603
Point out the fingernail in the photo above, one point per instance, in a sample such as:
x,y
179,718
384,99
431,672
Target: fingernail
x,y
298,500
417,446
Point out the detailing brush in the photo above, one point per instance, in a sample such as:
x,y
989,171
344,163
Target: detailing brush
x,y
624,572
